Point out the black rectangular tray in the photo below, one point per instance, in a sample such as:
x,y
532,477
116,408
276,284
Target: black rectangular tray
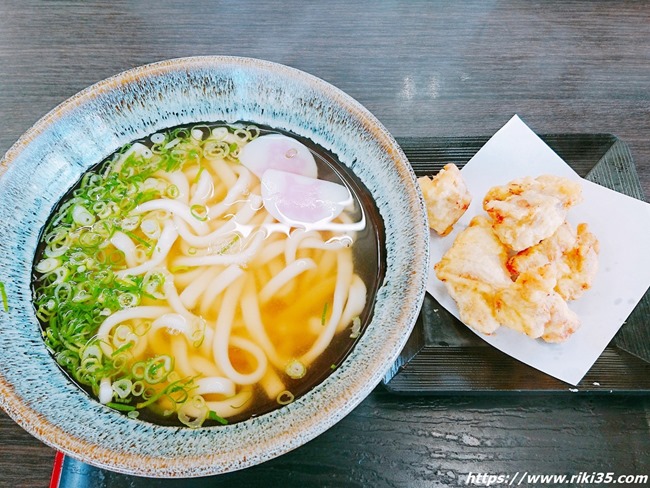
x,y
444,356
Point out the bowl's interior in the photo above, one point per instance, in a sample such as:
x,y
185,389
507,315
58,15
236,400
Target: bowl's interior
x,y
49,159
367,255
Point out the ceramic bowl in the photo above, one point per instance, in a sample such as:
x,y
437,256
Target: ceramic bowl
x,y
38,170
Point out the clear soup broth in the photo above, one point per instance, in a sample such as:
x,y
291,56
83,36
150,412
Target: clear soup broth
x,y
169,287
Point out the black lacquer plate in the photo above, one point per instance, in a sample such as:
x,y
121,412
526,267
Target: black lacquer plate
x,y
444,356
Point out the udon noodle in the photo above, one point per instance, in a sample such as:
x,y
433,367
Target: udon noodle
x,y
167,282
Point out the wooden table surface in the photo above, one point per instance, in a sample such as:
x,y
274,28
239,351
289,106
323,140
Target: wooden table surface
x,y
424,69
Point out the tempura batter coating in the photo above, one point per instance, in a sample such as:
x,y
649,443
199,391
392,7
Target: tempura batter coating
x,y
472,270
527,210
446,197
530,305
573,253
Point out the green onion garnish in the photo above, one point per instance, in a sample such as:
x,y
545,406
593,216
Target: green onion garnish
x,y
295,369
77,283
324,314
172,191
3,295
284,397
212,415
199,212
122,407
198,174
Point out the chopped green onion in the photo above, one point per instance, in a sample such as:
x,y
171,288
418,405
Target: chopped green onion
x,y
285,397
130,223
3,295
253,131
324,314
199,212
212,415
157,138
137,238
122,407
157,369
89,239
122,349
128,300
193,156
295,369
150,396
91,351
48,265
81,216
178,393
122,387
172,191
242,134
138,388
138,369
215,149
198,174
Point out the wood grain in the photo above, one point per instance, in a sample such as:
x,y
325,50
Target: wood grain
x,y
391,441
424,68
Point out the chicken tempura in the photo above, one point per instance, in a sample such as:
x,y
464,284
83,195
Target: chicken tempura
x,y
473,269
530,305
527,210
573,253
446,197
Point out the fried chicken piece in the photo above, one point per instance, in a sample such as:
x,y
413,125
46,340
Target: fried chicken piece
x,y
573,254
446,197
473,269
527,210
530,305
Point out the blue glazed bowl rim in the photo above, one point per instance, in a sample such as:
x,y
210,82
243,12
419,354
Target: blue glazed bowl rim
x,y
136,103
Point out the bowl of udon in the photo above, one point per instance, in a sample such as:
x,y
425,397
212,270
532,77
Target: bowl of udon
x,y
204,263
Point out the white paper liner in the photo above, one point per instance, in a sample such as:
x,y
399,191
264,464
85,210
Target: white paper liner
x,y
621,224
